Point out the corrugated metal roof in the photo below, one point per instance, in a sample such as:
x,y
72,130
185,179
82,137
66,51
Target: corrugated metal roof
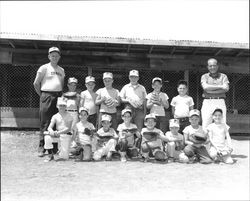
x,y
121,40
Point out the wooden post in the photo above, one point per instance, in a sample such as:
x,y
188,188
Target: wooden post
x,y
89,70
186,76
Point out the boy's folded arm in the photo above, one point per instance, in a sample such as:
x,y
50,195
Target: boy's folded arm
x,y
63,131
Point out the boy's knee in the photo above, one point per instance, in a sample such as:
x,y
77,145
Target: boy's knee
x,y
183,158
145,148
228,160
87,152
97,156
123,145
212,153
188,151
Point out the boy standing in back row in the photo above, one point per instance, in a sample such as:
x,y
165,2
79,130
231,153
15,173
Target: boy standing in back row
x,y
157,102
182,104
133,95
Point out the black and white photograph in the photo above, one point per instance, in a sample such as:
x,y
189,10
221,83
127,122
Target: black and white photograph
x,y
125,100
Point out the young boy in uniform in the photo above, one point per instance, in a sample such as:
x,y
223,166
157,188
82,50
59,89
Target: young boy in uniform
x,y
128,134
73,101
84,131
182,104
175,144
133,95
157,102
195,139
88,98
108,99
221,145
152,140
63,123
106,138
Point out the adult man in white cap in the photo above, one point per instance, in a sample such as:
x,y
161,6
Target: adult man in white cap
x,y
48,84
215,85
133,95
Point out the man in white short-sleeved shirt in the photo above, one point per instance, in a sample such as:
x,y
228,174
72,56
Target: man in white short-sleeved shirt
x,y
48,84
215,85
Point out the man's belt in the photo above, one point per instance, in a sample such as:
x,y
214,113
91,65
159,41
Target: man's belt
x,y
214,97
71,110
53,92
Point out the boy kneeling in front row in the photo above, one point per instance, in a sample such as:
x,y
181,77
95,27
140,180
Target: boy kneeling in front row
x,y
175,143
84,131
128,137
62,121
152,140
106,139
196,139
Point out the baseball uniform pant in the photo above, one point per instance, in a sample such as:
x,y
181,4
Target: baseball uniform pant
x,y
151,147
48,108
75,117
208,107
225,158
173,153
201,153
184,122
138,118
103,151
123,146
92,119
162,123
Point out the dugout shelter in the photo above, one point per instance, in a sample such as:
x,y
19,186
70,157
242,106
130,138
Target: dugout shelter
x,y
22,54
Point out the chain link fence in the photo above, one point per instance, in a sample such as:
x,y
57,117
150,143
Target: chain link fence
x,y
18,91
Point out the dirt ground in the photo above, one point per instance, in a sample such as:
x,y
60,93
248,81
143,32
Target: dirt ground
x,y
24,176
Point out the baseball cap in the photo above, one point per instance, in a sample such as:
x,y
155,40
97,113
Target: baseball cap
x,y
106,117
107,75
61,101
54,49
83,109
126,110
134,73
174,123
150,116
157,79
72,79
89,79
194,112
218,110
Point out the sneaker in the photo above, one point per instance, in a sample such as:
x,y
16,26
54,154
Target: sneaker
x,y
109,156
49,158
192,160
123,159
170,159
144,159
40,154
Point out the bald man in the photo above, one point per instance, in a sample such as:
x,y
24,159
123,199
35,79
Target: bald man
x,y
215,85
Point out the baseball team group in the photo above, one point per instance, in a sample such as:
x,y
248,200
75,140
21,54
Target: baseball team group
x,y
87,126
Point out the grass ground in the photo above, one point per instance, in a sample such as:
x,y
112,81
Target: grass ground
x,y
24,176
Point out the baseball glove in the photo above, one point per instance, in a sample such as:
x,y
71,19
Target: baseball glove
x,y
155,98
69,94
150,136
88,132
160,155
200,137
110,102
